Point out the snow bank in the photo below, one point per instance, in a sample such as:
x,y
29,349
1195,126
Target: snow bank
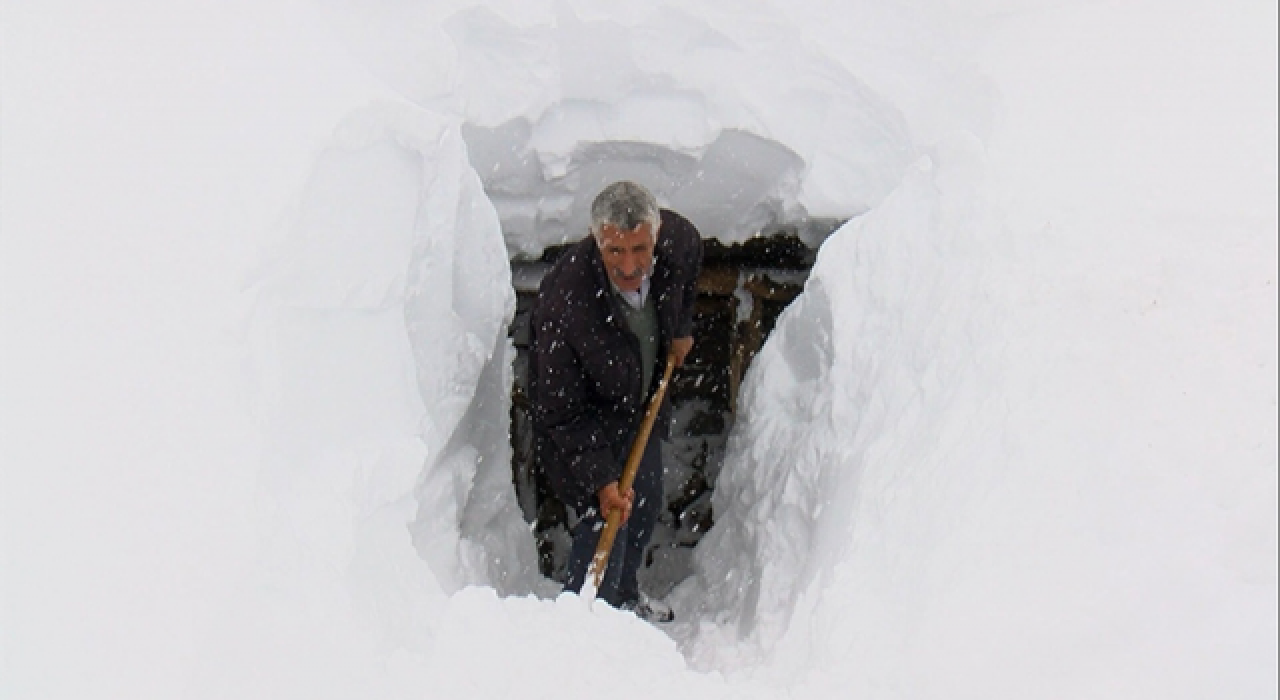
x,y
878,369
525,647
731,118
385,369
1027,449
1016,439
147,152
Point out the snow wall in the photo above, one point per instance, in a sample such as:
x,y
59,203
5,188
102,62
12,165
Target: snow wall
x,y
1002,446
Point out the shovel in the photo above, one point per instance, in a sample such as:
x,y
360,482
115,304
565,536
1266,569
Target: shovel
x,y
595,572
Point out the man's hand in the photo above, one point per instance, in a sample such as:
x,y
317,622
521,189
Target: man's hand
x,y
611,499
681,347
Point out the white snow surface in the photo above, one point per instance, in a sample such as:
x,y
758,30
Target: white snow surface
x,y
1016,439
728,114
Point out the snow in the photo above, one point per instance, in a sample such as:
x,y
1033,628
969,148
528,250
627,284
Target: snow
x,y
1017,437
733,126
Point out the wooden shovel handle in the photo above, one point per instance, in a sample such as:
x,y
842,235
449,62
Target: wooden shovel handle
x,y
612,519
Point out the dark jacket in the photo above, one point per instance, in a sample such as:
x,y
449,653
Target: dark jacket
x,y
585,376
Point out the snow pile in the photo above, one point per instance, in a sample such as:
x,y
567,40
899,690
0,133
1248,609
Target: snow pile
x,y
147,152
878,371
730,118
536,648
1024,452
391,295
1016,439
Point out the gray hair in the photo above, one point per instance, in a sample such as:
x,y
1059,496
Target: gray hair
x,y
625,205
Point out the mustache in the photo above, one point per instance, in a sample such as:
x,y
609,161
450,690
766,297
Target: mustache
x,y
638,271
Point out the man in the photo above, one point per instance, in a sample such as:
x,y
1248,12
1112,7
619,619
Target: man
x,y
607,313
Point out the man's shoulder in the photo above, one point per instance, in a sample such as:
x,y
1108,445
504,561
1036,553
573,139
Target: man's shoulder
x,y
570,276
574,263
674,223
679,240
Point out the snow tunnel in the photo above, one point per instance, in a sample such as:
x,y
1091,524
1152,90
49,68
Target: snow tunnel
x,y
763,193
735,189
392,338
1027,456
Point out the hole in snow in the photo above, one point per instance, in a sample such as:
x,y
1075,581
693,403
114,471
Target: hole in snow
x,y
387,313
762,143
742,290
739,189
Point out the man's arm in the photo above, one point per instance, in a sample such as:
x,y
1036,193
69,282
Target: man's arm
x,y
690,268
562,409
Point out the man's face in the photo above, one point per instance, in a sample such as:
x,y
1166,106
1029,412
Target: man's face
x,y
628,255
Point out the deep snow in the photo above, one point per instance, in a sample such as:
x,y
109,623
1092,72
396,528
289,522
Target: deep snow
x,y
1017,438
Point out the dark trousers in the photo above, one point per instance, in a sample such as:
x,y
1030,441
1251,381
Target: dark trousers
x,y
619,584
